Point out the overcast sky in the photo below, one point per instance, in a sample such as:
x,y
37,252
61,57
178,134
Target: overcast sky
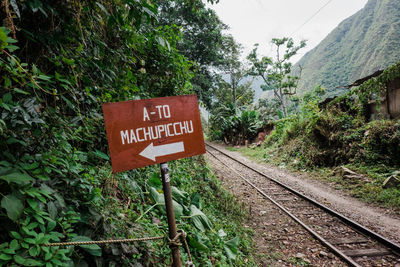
x,y
258,21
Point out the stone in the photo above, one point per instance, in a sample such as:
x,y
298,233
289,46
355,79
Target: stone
x,y
350,175
323,253
300,256
263,212
391,182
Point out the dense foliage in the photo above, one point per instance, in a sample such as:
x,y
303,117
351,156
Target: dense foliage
x,y
336,133
232,117
59,61
202,42
363,43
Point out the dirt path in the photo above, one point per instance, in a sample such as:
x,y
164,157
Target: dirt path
x,y
275,234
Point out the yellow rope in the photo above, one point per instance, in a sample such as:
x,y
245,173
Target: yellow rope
x,y
77,243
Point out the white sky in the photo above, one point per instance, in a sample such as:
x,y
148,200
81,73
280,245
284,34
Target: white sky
x,y
258,21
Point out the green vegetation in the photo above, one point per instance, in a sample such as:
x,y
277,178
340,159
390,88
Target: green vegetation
x,y
363,43
234,119
59,61
322,137
275,72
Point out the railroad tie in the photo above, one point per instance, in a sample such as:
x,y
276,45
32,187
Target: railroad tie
x,y
369,252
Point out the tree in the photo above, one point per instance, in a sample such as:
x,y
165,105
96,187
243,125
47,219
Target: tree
x,y
275,72
232,118
201,43
236,71
267,109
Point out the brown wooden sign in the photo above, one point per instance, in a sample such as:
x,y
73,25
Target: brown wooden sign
x,y
150,131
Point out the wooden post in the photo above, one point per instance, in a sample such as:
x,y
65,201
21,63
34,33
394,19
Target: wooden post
x,y
176,259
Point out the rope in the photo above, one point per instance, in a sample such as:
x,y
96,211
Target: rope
x,y
189,263
103,241
175,241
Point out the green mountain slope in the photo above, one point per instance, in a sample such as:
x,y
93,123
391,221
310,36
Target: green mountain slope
x,y
363,43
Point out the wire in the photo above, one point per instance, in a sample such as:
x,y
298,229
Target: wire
x,y
308,20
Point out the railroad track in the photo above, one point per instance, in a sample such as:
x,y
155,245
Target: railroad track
x,y
352,242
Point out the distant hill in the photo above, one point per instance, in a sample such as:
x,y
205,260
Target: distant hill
x,y
361,44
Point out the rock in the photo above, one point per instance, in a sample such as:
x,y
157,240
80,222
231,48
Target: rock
x,y
129,249
348,174
390,182
263,212
341,171
323,253
300,256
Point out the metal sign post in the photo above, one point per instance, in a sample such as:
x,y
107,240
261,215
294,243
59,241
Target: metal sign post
x,y
150,131
176,260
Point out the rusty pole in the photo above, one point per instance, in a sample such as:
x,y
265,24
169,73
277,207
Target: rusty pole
x,y
176,259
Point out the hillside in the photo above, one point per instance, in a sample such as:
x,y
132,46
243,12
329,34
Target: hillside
x,y
363,43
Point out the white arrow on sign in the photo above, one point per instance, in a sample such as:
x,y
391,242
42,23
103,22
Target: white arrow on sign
x,y
151,152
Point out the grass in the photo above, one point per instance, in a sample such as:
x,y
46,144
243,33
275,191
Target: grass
x,y
255,153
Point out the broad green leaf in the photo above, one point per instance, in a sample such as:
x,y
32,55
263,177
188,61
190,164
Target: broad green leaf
x,y
199,219
12,48
31,166
5,257
156,197
48,256
197,242
32,262
32,225
14,176
60,199
102,8
34,251
231,254
38,218
18,259
196,200
231,248
100,154
30,241
51,225
13,205
33,204
14,244
178,195
154,179
16,235
7,98
159,199
94,249
178,209
68,61
21,91
51,207
9,251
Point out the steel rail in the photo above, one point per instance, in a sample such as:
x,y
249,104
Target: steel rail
x,y
308,229
394,247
